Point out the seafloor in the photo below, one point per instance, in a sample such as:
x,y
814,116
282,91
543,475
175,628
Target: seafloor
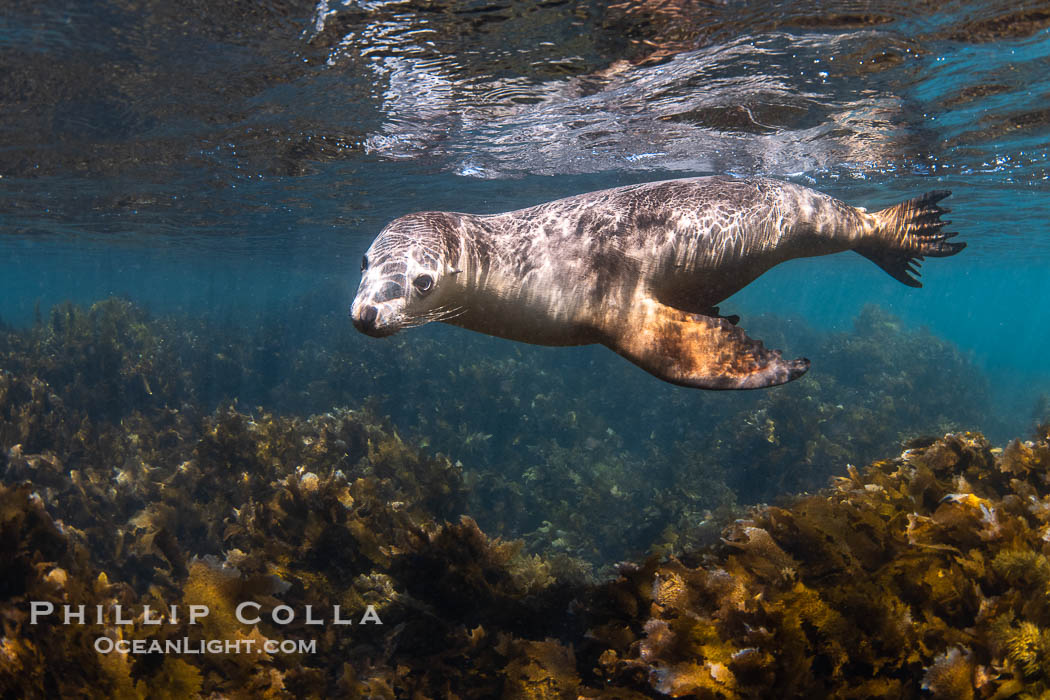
x,y
130,478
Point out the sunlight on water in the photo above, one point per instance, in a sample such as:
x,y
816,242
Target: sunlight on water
x,y
235,158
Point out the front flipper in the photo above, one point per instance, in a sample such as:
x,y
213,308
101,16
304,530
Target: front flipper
x,y
699,351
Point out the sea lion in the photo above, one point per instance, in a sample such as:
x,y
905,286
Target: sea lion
x,y
639,269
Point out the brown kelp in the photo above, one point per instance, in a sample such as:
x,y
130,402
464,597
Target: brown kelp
x,y
547,454
176,511
924,573
928,571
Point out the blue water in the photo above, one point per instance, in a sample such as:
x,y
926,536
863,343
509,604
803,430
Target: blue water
x,y
230,160
224,165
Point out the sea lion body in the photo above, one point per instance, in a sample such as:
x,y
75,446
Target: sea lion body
x,y
551,270
639,268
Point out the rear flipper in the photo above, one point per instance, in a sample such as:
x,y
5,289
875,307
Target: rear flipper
x,y
908,232
700,351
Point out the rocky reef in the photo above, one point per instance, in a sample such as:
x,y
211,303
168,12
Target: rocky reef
x,y
129,479
924,572
549,452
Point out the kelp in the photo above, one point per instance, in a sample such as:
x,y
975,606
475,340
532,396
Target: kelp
x,y
879,384
547,458
207,512
926,573
923,572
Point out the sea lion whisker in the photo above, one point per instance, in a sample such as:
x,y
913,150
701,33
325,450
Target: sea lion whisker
x,y
451,313
441,313
446,312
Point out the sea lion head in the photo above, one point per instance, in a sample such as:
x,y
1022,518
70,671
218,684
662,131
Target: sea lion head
x,y
407,278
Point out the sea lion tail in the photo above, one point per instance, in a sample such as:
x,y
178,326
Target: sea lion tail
x,y
908,232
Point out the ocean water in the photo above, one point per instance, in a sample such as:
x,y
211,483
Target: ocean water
x,y
234,161
204,177
237,159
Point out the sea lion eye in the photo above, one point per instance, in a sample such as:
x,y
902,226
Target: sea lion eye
x,y
364,263
423,283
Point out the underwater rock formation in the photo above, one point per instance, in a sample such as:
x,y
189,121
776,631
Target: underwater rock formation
x,y
924,574
547,449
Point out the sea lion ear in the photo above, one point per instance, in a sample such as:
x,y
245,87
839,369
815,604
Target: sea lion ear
x,y
700,351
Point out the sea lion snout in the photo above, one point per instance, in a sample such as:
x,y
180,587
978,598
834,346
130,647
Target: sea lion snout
x,y
365,319
378,308
374,319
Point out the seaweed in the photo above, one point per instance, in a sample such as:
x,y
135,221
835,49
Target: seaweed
x,y
546,460
894,574
924,573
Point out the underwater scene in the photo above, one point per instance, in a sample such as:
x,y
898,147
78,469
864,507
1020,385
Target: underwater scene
x,y
779,428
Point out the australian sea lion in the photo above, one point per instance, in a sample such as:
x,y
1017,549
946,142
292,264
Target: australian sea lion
x,y
638,269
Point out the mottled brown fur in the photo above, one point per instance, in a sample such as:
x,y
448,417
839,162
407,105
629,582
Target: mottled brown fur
x,y
630,268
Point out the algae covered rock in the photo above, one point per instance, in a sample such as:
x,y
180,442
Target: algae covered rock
x,y
547,449
173,512
927,573
922,572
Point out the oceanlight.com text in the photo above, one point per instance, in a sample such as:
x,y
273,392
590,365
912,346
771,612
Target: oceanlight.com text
x,y
185,645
